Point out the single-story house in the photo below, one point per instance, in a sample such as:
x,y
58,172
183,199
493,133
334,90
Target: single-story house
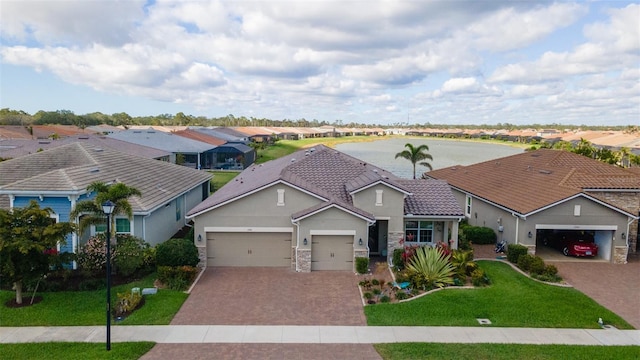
x,y
184,151
318,209
58,178
524,196
233,156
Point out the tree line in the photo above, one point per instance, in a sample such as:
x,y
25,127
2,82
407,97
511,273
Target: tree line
x,y
66,117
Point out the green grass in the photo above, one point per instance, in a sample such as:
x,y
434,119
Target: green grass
x,y
67,308
286,147
513,300
222,177
503,351
74,351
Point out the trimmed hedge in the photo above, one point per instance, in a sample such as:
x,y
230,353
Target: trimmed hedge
x,y
480,235
362,265
177,252
514,251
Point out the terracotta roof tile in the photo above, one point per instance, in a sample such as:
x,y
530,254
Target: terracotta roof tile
x,y
529,181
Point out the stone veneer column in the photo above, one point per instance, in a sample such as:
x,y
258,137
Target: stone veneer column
x,y
202,255
393,242
620,255
304,260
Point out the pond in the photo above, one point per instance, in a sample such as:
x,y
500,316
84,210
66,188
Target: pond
x,y
445,153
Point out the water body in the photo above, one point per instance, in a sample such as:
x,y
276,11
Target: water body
x,y
445,153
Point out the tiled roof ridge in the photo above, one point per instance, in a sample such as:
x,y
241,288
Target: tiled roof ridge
x,y
566,178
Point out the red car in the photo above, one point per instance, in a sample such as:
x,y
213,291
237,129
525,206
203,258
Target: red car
x,y
572,242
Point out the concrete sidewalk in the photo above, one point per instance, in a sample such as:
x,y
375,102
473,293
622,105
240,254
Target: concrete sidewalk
x,y
285,334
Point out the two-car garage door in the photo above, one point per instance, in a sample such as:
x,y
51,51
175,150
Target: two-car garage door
x,y
249,249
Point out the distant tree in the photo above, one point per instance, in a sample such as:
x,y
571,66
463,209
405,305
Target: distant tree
x,y
28,241
416,155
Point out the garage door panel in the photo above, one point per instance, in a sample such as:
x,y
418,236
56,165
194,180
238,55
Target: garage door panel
x,y
249,249
332,252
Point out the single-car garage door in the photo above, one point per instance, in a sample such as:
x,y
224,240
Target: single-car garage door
x,y
332,252
248,249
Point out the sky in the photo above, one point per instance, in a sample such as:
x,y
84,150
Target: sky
x,y
374,62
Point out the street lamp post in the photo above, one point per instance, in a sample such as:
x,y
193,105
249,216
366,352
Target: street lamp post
x,y
107,208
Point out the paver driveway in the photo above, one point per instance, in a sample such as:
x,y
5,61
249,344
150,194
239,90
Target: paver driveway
x,y
272,296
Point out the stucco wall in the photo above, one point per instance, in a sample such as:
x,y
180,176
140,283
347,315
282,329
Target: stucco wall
x,y
392,205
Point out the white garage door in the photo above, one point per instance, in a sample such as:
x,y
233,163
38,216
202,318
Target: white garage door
x,y
249,249
332,252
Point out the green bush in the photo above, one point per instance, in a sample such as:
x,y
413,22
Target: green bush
x,y
430,268
480,235
129,254
368,295
398,263
524,262
537,265
514,251
127,302
177,252
362,265
385,299
479,278
401,295
375,282
551,270
177,277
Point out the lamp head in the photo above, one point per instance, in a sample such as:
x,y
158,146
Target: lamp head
x,y
108,206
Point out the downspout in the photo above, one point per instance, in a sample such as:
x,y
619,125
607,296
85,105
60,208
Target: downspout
x,y
517,224
297,242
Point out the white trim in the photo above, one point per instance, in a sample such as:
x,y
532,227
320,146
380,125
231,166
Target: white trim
x,y
333,205
332,232
355,191
280,201
379,193
253,192
575,227
258,229
383,217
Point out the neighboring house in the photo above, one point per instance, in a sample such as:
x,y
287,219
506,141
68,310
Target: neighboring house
x,y
58,178
525,195
184,151
217,132
317,209
233,156
14,148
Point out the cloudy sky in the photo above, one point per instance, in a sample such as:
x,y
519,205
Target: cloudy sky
x,y
367,61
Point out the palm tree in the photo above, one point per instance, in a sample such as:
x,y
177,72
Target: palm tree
x,y
416,154
91,210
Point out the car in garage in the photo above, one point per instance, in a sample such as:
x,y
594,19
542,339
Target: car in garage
x,y
572,242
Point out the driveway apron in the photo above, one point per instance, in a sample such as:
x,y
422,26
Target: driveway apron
x,y
272,296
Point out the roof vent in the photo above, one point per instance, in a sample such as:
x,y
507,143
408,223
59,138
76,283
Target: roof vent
x,y
375,170
83,137
293,160
94,170
44,142
98,149
545,172
137,132
312,149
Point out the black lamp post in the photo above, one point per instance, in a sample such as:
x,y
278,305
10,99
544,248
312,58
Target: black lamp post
x,y
107,208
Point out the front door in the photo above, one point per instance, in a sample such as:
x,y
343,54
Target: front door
x,y
378,237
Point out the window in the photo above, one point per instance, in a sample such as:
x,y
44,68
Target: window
x,y
378,197
418,231
100,228
467,210
123,226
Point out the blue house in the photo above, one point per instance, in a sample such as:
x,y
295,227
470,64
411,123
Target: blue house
x,y
58,179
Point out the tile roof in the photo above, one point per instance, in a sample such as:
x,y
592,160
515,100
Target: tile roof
x,y
20,147
200,136
162,140
532,180
330,176
430,197
71,168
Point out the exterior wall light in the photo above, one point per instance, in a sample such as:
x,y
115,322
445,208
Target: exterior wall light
x,y
304,241
530,235
360,242
199,238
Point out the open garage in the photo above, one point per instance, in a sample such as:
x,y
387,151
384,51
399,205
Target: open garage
x,y
249,249
556,242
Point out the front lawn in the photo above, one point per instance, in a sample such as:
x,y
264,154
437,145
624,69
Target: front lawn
x,y
512,300
67,308
221,177
503,351
70,351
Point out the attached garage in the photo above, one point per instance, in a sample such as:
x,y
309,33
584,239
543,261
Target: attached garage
x,y
332,252
270,249
601,235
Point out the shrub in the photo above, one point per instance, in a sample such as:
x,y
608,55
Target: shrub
x,y
524,262
92,256
177,277
368,295
91,284
479,278
375,282
480,235
398,264
551,270
401,295
430,268
177,252
362,265
366,283
537,265
376,291
127,302
385,299
130,254
462,261
514,251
